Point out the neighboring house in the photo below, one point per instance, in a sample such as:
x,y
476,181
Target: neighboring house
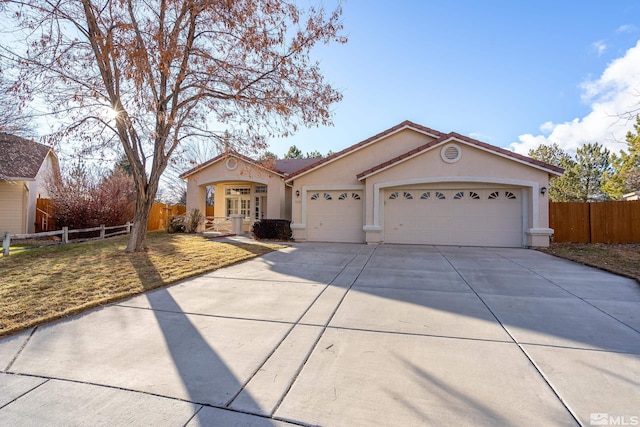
x,y
409,184
24,167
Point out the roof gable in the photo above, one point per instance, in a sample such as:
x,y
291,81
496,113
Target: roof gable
x,y
20,158
453,136
395,129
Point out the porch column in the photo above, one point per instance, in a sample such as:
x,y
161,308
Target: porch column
x,y
197,198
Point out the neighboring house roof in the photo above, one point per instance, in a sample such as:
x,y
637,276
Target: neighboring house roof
x,y
20,158
404,125
452,136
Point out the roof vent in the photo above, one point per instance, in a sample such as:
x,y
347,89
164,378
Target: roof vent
x,y
451,153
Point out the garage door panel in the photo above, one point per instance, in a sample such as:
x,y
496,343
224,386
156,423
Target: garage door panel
x,y
335,216
454,217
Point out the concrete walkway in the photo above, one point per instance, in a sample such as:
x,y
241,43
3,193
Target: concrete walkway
x,y
344,335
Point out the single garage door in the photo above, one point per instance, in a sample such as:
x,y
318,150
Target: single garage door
x,y
471,217
335,216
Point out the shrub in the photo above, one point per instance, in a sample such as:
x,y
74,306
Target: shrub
x,y
176,224
277,229
187,223
84,199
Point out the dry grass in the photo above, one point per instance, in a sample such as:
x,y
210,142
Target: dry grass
x,y
41,285
620,259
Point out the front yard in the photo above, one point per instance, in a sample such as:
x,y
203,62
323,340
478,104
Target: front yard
x,y
44,284
619,259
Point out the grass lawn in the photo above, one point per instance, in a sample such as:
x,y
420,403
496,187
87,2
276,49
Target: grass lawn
x,y
41,285
619,259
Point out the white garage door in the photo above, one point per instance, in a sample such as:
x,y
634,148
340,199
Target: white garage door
x,y
454,217
335,216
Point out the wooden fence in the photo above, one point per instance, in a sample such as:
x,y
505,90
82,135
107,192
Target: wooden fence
x,y
45,221
65,235
601,222
160,214
158,218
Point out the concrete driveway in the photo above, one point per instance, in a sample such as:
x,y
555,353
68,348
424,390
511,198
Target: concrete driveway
x,y
344,335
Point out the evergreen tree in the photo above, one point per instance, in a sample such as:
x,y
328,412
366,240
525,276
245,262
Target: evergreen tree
x,y
625,174
294,153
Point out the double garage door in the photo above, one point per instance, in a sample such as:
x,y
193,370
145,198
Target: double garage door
x,y
474,217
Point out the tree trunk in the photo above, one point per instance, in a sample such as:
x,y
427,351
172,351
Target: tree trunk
x,y
138,237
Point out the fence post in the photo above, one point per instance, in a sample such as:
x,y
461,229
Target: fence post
x,y
65,234
128,224
6,243
102,231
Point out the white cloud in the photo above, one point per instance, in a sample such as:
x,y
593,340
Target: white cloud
x,y
600,46
626,28
615,93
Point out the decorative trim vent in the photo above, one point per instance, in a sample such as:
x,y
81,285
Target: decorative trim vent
x,y
231,163
451,153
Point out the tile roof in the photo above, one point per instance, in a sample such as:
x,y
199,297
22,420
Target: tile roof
x,y
457,136
281,167
20,158
289,166
394,129
292,168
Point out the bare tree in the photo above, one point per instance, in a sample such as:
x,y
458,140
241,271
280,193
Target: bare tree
x,y
232,71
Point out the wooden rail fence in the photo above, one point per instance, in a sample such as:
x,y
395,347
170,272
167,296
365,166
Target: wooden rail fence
x,y
64,235
601,222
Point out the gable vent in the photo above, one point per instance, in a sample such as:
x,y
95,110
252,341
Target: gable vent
x,y
451,153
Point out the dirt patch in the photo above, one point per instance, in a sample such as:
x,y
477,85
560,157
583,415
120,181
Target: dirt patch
x,y
620,259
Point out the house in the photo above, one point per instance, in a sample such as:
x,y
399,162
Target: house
x,y
24,167
408,184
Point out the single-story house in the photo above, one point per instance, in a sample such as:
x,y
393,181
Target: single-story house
x,y
25,166
408,184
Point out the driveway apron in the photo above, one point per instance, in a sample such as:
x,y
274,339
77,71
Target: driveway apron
x,y
344,335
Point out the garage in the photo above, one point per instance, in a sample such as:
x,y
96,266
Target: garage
x,y
470,217
335,216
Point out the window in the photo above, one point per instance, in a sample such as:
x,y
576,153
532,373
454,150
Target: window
x,y
440,196
393,195
238,191
459,195
238,201
426,196
355,196
494,195
261,188
237,205
327,196
342,196
474,195
509,195
408,196
315,196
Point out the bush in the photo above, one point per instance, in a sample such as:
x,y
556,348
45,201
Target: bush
x,y
277,229
176,224
85,199
187,223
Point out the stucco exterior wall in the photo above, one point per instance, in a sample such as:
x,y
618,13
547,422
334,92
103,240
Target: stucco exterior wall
x,y
220,175
476,168
343,171
12,207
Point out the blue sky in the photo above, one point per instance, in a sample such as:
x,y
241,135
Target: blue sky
x,y
511,73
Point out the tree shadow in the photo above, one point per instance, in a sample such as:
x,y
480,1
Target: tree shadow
x,y
205,376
